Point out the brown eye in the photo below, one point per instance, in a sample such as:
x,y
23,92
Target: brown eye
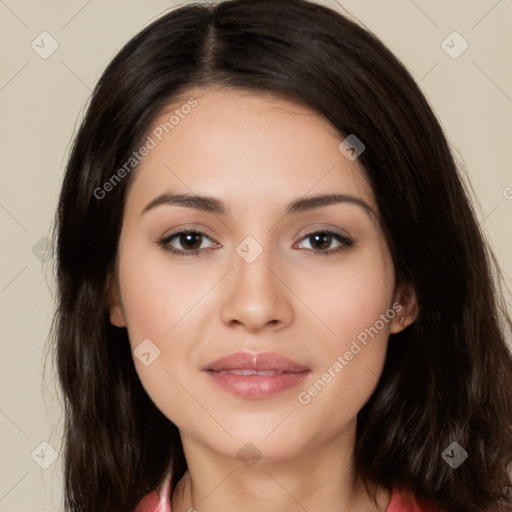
x,y
320,241
189,240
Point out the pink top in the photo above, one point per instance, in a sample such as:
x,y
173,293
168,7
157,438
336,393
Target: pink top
x,y
400,501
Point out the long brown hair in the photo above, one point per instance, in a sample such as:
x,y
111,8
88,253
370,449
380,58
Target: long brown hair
x,y
447,378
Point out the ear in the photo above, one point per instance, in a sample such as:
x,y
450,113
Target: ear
x,y
117,316
405,303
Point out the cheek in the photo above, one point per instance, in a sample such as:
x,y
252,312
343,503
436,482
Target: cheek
x,y
155,313
351,296
356,307
157,295
163,311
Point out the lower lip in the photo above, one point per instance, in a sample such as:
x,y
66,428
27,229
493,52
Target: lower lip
x,y
257,386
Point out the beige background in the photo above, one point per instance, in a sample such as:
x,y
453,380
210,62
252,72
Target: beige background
x,y
41,100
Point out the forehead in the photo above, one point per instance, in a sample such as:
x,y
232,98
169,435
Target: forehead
x,y
242,145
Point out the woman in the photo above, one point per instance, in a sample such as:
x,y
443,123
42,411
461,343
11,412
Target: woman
x,y
208,357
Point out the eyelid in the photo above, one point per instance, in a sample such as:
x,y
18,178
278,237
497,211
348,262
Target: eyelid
x,y
323,227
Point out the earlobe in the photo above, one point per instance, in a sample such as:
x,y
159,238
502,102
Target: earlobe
x,y
406,296
116,312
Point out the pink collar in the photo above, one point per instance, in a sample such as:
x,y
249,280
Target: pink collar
x,y
157,500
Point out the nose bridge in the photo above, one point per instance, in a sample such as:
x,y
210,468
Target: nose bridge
x,y
255,297
252,264
254,260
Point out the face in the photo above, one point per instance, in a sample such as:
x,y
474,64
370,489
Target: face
x,y
261,267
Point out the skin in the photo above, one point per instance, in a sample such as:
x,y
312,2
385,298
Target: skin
x,y
257,153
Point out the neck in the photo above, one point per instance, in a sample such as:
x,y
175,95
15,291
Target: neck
x,y
321,478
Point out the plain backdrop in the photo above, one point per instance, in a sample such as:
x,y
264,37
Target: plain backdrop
x,y
42,100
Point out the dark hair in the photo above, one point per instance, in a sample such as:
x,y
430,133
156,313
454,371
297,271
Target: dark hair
x,y
447,377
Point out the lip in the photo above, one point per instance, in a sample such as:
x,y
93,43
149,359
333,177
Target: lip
x,y
260,362
286,374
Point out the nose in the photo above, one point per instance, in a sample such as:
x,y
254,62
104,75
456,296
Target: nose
x,y
255,294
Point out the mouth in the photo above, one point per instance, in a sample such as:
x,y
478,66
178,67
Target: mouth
x,y
252,372
256,376
260,362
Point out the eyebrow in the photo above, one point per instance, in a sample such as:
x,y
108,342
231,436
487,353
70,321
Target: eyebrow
x,y
212,205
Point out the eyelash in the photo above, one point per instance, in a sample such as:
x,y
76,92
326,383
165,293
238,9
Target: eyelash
x,y
345,243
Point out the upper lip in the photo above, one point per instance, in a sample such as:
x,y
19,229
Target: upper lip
x,y
259,362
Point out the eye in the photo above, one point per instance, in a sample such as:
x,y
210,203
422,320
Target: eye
x,y
323,239
190,240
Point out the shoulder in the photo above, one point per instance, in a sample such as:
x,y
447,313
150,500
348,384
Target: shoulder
x,y
157,500
403,500
149,503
